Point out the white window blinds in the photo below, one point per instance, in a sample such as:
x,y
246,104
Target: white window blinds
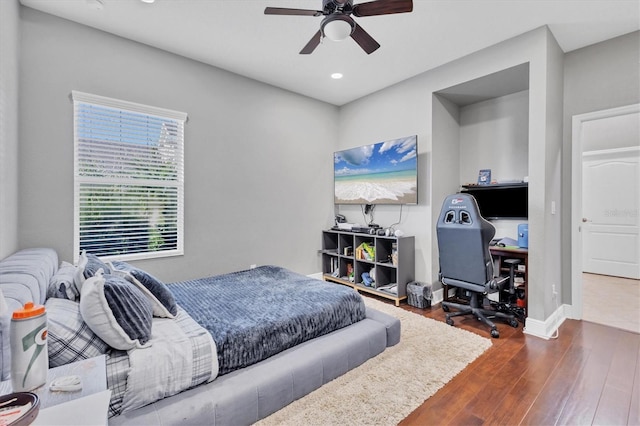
x,y
129,178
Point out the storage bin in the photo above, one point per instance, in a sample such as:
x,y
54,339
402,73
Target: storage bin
x,y
419,295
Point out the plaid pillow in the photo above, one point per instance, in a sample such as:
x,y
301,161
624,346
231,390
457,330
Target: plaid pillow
x,y
69,338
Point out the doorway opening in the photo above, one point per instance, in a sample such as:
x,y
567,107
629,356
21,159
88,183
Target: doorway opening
x,y
605,240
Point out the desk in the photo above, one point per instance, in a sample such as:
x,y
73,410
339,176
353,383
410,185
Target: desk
x,y
500,254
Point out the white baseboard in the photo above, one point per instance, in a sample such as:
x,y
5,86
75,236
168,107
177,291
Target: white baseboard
x,y
544,329
437,296
547,329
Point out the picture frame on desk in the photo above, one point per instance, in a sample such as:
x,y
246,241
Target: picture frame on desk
x,y
484,177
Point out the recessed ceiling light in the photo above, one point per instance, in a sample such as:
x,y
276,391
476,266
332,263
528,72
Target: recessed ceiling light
x,y
148,1
336,76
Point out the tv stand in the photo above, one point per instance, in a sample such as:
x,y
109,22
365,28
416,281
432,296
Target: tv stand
x,y
344,261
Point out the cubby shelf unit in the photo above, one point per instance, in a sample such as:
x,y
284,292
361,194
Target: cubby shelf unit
x,y
394,262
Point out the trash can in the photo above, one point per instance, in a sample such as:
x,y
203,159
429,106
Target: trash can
x,y
419,295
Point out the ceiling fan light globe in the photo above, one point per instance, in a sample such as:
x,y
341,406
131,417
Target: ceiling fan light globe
x,y
337,30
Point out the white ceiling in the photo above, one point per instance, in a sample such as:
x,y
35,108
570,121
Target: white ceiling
x,y
235,35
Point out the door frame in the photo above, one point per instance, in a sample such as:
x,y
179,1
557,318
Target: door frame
x,y
576,197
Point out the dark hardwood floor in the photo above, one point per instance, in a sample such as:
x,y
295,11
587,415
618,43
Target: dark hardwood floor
x,y
590,374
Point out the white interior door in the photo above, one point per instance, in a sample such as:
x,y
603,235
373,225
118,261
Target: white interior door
x,y
610,205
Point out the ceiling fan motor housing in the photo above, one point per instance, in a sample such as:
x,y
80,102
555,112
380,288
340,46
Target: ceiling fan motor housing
x,y
331,6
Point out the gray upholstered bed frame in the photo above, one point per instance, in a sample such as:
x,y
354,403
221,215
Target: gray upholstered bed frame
x,y
250,394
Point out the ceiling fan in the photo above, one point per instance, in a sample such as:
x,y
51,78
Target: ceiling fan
x,y
338,23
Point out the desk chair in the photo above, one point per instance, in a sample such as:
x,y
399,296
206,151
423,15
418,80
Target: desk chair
x,y
465,260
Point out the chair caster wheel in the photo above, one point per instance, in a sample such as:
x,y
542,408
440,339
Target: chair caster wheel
x,y
495,333
445,308
513,323
449,321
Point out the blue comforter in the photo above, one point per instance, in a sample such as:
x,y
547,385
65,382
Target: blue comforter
x,y
257,313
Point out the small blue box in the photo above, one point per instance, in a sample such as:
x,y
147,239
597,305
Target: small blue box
x,y
523,235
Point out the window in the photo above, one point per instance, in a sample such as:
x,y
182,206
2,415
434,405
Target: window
x,y
128,178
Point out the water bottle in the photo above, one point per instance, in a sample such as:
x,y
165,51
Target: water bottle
x,y
29,356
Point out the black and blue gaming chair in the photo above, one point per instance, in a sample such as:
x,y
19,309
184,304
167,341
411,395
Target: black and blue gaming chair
x,y
465,260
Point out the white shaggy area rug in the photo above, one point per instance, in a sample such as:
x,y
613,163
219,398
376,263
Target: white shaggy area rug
x,y
386,389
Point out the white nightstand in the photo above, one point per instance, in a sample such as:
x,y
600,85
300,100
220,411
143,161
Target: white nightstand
x,y
85,411
88,406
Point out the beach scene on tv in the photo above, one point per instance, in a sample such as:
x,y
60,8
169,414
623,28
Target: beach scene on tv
x,y
380,173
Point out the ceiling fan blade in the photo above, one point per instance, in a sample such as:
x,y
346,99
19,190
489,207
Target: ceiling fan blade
x,y
382,7
287,11
313,43
365,41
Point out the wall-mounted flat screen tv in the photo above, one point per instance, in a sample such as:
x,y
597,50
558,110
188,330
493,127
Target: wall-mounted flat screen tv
x,y
380,173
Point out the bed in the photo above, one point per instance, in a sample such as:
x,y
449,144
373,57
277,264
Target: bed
x,y
228,349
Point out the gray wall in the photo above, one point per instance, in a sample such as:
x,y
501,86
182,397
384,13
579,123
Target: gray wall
x,y
612,133
258,160
410,109
9,23
488,134
494,135
602,76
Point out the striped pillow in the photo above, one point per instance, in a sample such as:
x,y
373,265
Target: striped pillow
x,y
162,300
117,311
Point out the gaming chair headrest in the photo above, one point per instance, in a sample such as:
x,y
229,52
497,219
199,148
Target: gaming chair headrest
x,y
460,213
459,209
